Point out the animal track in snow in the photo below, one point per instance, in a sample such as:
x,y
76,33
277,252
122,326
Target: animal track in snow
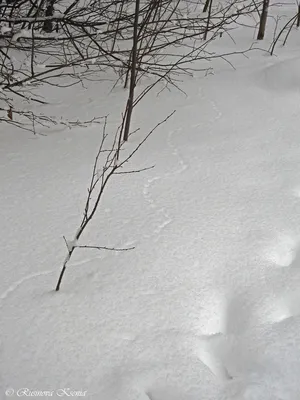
x,y
176,152
218,113
161,211
216,109
146,190
19,282
183,166
86,260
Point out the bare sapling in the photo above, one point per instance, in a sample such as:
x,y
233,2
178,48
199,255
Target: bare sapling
x,y
290,23
112,165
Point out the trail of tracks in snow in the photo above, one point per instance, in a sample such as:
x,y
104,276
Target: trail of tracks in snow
x,y
183,165
215,108
18,283
162,213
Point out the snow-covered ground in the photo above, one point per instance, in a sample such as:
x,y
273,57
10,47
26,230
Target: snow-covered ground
x,y
207,305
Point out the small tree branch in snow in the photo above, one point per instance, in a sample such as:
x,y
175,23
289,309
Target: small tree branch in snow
x,y
102,172
289,31
291,21
135,171
29,121
105,248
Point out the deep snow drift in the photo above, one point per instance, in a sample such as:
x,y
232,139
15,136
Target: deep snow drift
x,y
207,305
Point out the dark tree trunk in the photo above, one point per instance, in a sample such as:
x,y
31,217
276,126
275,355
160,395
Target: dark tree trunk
x,y
206,6
130,101
263,20
208,19
48,25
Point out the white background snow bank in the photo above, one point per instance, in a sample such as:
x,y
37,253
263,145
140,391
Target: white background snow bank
x,y
207,305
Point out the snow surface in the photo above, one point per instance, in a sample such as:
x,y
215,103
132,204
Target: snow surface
x,y
207,305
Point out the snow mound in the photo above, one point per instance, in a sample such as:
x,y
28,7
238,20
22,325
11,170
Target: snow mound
x,y
282,76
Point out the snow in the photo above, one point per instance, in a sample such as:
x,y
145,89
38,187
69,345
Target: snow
x,y
207,305
5,29
22,33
